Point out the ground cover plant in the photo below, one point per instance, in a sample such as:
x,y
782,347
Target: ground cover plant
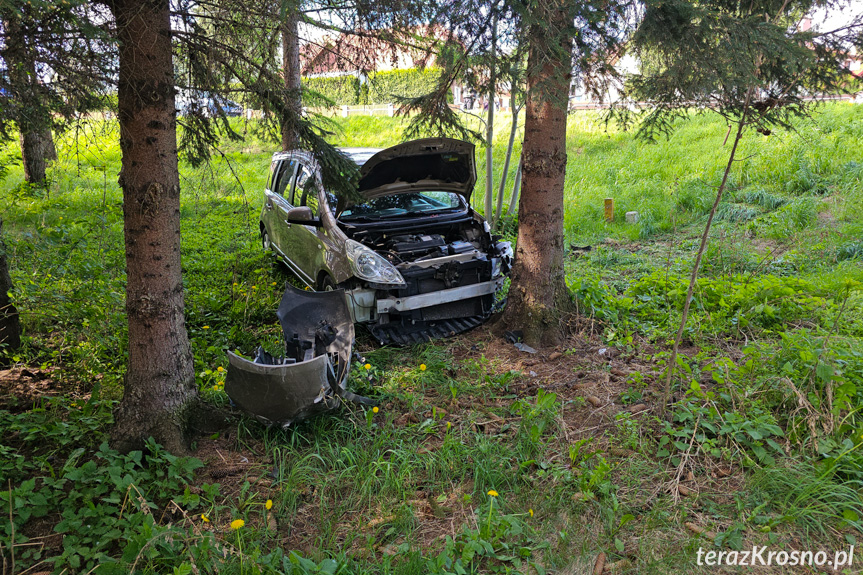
x,y
479,458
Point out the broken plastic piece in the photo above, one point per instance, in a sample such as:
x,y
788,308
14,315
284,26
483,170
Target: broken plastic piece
x,y
312,376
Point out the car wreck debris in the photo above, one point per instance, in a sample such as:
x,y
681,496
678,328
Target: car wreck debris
x,y
312,376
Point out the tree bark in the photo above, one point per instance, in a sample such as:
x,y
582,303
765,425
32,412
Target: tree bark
x,y
516,186
30,115
10,325
160,392
293,81
489,135
512,131
538,294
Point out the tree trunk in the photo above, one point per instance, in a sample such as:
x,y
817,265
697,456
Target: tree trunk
x,y
10,326
516,186
293,82
538,294
29,114
37,149
160,391
512,131
489,135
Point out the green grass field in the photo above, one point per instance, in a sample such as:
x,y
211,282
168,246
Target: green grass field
x,y
761,446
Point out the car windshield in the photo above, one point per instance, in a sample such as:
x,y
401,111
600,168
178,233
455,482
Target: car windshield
x,y
409,204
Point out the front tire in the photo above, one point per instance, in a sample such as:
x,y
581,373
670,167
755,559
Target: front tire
x,y
326,284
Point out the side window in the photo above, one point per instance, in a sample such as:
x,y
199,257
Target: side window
x,y
271,179
285,175
333,202
306,189
310,195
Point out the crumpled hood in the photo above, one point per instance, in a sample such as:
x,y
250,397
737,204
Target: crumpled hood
x,y
440,164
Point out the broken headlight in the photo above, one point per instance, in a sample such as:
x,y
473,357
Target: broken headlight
x,y
369,266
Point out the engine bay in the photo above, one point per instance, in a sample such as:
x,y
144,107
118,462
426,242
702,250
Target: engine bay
x,y
401,247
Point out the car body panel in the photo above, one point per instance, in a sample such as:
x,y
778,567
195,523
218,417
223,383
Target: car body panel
x,y
443,164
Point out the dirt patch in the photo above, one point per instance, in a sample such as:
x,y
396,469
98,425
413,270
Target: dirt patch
x,y
22,388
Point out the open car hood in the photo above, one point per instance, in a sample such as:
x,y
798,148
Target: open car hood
x,y
439,164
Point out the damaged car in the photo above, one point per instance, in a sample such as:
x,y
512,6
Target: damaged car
x,y
415,260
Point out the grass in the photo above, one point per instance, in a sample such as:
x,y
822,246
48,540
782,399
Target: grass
x,y
764,434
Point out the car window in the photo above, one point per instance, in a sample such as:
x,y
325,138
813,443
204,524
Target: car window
x,y
272,177
286,173
405,204
310,194
332,202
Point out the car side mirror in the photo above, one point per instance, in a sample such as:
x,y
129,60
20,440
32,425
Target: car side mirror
x,y
303,215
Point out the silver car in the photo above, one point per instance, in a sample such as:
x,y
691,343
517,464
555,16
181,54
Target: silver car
x,y
415,260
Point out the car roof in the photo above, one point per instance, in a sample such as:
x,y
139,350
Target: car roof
x,y
359,155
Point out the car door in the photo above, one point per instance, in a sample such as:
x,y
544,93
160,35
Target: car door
x,y
277,202
304,244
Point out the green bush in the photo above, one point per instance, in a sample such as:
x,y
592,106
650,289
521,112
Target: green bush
x,y
386,87
341,90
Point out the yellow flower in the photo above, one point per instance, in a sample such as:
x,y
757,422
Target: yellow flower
x,y
448,425
269,504
368,366
205,518
254,287
492,492
375,409
220,369
237,524
274,283
215,388
236,284
206,327
530,512
422,367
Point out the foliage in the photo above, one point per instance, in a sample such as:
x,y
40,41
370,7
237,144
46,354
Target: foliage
x,y
392,85
340,90
504,543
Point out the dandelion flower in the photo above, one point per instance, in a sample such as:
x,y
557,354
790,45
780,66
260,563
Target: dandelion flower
x,y
269,504
220,369
236,284
237,524
206,327
492,492
274,283
375,409
530,512
204,518
422,367
254,287
368,366
448,425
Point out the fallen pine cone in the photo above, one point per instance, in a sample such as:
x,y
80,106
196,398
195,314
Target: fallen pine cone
x,y
599,566
593,400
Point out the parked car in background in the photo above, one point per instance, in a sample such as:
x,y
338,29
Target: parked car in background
x,y
415,260
209,106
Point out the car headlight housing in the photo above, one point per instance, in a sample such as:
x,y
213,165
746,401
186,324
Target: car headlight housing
x,y
369,266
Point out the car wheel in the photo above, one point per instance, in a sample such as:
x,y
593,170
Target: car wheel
x,y
326,284
265,240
